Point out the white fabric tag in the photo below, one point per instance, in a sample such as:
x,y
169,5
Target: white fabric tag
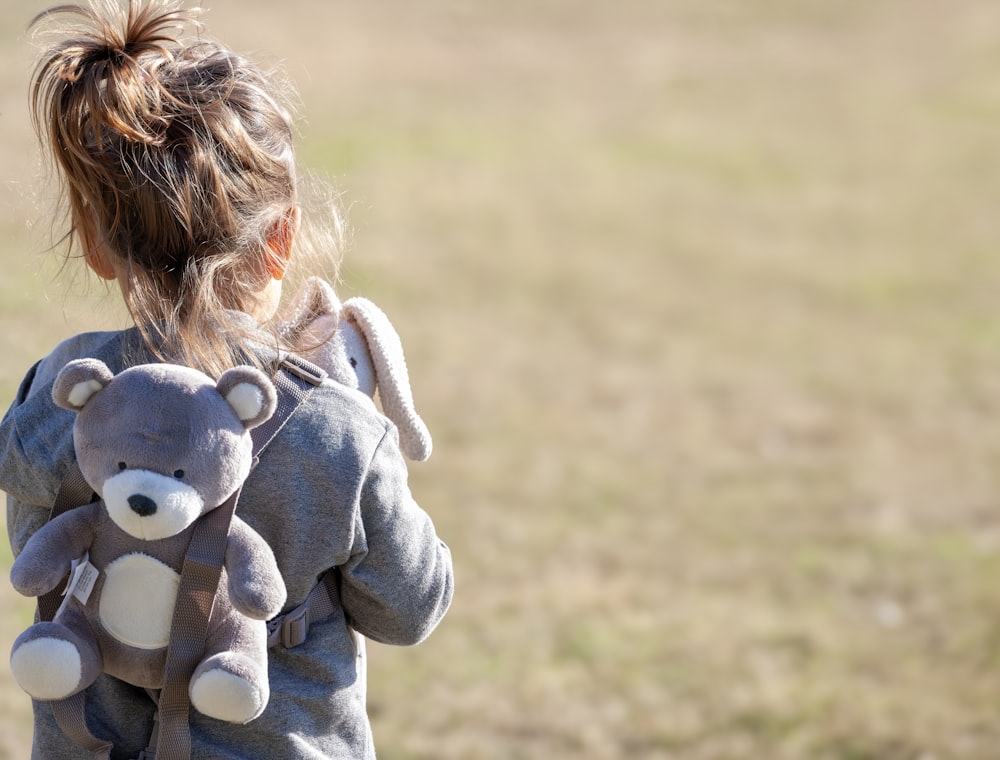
x,y
82,578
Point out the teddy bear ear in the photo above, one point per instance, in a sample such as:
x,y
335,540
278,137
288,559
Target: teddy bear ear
x,y
78,381
249,393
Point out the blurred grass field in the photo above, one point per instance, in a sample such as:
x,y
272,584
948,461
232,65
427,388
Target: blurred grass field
x,y
700,304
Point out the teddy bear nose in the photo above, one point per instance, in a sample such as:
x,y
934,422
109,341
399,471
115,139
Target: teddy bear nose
x,y
141,505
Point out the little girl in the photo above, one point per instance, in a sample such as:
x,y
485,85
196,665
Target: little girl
x,y
177,167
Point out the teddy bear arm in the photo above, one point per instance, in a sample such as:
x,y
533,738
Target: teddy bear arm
x,y
46,558
256,587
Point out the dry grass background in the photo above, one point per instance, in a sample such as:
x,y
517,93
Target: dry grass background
x,y
700,302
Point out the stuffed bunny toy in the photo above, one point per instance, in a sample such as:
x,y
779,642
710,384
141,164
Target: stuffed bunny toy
x,y
357,345
161,445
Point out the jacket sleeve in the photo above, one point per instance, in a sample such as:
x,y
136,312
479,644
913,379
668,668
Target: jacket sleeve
x,y
36,436
32,466
398,582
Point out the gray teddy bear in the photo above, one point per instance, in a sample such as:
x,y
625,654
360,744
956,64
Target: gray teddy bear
x,y
161,445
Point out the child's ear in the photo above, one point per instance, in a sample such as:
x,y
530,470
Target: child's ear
x,y
279,243
95,252
78,381
249,393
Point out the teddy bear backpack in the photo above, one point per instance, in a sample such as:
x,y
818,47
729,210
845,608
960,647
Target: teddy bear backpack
x,y
163,539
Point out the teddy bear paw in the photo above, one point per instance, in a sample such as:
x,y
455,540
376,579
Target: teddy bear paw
x,y
47,667
227,689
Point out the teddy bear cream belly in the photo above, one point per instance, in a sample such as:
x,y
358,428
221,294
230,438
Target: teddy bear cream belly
x,y
138,582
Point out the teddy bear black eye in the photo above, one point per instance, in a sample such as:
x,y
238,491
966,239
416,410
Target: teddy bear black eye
x,y
122,466
354,362
178,474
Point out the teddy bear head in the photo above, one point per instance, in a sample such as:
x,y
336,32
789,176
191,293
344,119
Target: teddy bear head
x,y
162,444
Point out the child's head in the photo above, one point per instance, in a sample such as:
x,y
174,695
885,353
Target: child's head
x,y
177,164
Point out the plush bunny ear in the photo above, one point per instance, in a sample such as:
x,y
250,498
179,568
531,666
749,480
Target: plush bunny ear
x,y
78,381
249,393
391,377
312,326
315,299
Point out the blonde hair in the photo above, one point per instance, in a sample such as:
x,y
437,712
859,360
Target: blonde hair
x,y
178,158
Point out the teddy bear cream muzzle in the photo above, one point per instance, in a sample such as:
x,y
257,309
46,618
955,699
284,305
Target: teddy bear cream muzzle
x,y
151,506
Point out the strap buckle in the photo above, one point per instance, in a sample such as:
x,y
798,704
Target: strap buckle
x,y
304,370
289,630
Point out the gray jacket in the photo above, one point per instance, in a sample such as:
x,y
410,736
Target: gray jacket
x,y
330,492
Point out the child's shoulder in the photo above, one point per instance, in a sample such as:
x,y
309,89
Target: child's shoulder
x,y
340,422
348,408
104,345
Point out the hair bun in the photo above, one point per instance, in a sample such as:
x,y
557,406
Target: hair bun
x,y
111,61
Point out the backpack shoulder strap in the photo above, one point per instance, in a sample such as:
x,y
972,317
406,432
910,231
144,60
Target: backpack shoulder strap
x,y
294,382
73,492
